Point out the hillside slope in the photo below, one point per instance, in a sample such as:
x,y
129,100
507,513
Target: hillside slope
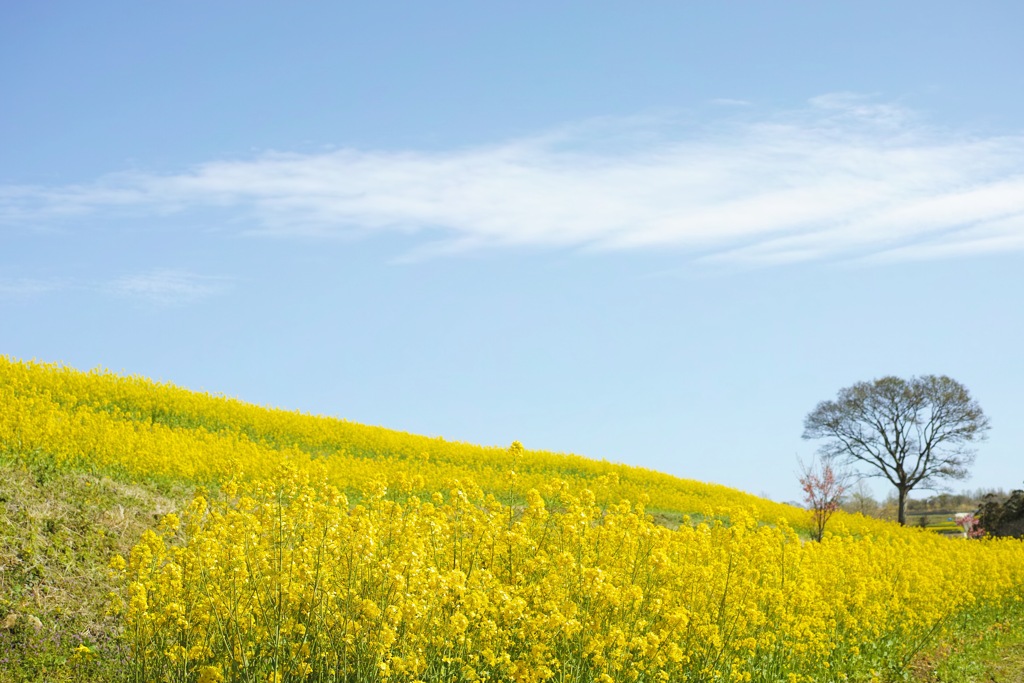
x,y
152,533
132,427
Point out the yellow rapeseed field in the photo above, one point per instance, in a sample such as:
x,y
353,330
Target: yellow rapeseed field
x,y
106,423
321,550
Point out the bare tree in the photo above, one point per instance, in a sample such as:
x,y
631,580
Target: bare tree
x,y
860,500
913,432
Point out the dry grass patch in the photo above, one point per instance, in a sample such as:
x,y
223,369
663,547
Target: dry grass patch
x,y
58,531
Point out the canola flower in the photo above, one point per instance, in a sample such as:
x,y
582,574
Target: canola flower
x,y
132,427
329,551
285,580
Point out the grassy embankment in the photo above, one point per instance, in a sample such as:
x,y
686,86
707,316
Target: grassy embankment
x,y
58,531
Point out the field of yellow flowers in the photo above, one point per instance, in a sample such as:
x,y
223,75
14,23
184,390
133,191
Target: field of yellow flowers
x,y
319,550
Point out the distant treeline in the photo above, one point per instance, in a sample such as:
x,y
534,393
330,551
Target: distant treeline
x,y
859,499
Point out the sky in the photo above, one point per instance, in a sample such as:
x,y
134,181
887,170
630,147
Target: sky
x,y
654,233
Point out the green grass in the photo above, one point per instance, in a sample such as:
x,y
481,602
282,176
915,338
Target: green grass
x,y
940,523
58,531
994,654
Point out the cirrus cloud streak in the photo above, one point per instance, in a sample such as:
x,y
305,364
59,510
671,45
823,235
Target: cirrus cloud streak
x,y
842,178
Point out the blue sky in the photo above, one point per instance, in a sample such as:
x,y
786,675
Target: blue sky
x,y
657,234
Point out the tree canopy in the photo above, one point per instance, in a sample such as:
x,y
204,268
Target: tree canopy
x,y
914,433
1003,517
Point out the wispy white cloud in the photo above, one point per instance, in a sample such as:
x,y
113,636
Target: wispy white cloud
x,y
168,287
846,177
163,286
20,288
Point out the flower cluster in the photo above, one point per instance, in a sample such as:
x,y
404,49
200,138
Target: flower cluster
x,y
286,580
132,427
322,550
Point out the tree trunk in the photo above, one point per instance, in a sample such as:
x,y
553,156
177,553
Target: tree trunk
x,y
901,516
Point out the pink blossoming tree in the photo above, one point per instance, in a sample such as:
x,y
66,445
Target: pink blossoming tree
x,y
823,490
